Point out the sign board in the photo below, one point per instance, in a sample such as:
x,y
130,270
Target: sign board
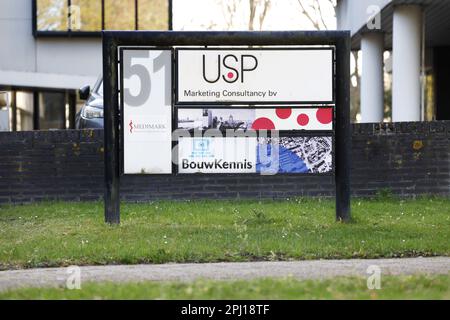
x,y
147,111
260,75
287,90
171,99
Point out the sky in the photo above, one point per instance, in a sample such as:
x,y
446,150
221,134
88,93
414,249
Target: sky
x,y
211,15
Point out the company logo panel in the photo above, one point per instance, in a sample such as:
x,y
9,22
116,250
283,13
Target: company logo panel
x,y
295,155
147,111
266,75
147,128
217,155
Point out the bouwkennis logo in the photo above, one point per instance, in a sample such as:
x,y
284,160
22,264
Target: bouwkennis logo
x,y
231,67
202,147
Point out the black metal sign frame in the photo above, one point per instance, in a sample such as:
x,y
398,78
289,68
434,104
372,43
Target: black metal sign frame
x,y
112,40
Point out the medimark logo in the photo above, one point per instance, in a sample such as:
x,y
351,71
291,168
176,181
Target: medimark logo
x,y
145,126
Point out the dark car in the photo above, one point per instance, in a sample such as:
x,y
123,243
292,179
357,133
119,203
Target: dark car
x,y
91,114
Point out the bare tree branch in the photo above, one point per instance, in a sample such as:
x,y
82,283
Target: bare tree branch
x,y
321,15
251,18
314,12
231,7
263,13
254,5
308,15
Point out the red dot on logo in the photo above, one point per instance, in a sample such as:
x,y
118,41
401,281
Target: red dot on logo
x,y
303,119
263,124
325,115
283,113
230,75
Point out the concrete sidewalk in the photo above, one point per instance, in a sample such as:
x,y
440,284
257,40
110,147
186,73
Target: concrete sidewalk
x,y
315,269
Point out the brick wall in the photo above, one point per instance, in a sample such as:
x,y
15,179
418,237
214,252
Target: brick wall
x,y
406,158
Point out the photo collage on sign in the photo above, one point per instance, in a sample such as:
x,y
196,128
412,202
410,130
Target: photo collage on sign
x,y
289,119
295,154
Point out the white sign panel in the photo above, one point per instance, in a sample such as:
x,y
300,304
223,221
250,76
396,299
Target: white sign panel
x,y
255,155
147,108
254,76
217,155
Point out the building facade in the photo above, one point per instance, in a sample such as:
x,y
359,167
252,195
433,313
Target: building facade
x,y
51,48
416,33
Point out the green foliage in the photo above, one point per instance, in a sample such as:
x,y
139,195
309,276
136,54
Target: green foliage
x,y
65,233
384,194
405,287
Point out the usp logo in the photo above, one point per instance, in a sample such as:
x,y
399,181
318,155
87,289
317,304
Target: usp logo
x,y
230,68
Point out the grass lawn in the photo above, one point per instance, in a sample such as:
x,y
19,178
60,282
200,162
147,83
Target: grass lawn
x,y
405,287
62,233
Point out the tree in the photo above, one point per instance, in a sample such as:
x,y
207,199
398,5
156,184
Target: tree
x,y
230,9
257,12
254,5
314,12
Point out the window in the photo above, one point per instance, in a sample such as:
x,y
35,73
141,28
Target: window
x,y
89,17
52,112
44,109
25,112
86,15
119,15
152,15
52,15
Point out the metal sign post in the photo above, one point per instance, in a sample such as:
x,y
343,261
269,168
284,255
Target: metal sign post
x,y
116,50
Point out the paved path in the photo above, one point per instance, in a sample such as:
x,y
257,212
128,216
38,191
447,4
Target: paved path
x,y
316,269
